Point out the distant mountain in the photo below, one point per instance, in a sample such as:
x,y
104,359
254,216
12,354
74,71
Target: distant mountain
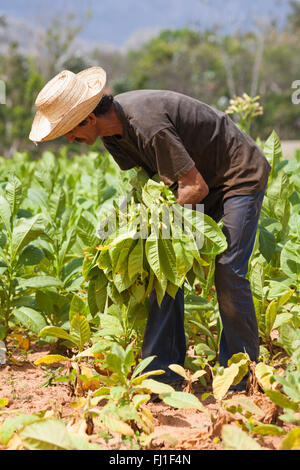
x,y
128,22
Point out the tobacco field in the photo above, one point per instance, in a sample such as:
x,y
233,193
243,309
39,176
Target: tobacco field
x,y
73,308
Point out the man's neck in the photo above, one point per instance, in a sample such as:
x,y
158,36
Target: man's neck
x,y
109,124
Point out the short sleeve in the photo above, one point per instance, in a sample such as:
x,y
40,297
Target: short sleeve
x,y
172,159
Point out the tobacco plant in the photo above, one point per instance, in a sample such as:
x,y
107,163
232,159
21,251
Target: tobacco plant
x,y
138,256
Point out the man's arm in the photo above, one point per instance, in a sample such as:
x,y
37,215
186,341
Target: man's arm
x,y
191,188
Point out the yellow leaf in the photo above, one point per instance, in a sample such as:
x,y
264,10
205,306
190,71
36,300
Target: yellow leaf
x,y
90,384
263,374
156,387
179,370
99,355
221,383
50,359
116,425
198,374
292,440
3,402
78,403
23,341
148,420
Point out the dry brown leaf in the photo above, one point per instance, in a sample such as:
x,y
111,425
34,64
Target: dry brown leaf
x,y
89,425
271,414
199,439
252,386
223,417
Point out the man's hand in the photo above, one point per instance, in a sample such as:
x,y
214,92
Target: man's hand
x,y
191,188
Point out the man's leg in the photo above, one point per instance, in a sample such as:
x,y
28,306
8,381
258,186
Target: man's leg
x,y
164,335
240,331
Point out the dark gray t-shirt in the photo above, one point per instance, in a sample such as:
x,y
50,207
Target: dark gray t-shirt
x,y
168,133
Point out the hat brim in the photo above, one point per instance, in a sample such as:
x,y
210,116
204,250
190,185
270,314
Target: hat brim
x,y
43,130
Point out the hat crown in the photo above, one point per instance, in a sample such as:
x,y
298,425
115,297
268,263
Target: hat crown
x,y
65,101
60,94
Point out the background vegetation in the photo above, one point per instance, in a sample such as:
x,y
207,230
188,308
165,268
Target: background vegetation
x,y
208,66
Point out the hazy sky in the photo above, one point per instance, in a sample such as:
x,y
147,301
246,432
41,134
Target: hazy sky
x,y
116,22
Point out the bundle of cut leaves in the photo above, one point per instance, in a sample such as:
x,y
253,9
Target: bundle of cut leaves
x,y
154,243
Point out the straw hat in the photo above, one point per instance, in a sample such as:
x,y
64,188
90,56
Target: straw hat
x,y
65,101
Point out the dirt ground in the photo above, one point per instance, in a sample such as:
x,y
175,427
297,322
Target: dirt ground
x,y
184,429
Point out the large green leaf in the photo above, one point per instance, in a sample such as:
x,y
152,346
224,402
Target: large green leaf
x,y
210,238
57,333
78,305
276,199
46,434
270,317
182,400
160,288
287,335
5,213
195,303
290,260
168,261
121,281
10,425
257,280
97,295
27,230
273,152
234,438
152,253
267,243
281,400
14,193
86,229
119,255
114,362
71,269
57,203
31,256
80,330
30,318
67,244
135,259
40,282
50,301
38,196
184,257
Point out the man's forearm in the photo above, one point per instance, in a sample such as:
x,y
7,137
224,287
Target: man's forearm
x,y
192,188
191,195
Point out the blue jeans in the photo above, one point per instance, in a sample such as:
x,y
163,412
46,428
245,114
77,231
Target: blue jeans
x,y
165,335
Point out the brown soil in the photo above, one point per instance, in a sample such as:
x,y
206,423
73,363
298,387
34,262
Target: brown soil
x,y
21,382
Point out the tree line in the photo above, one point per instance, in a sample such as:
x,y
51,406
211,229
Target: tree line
x,y
206,65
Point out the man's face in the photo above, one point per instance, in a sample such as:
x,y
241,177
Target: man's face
x,y
86,133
